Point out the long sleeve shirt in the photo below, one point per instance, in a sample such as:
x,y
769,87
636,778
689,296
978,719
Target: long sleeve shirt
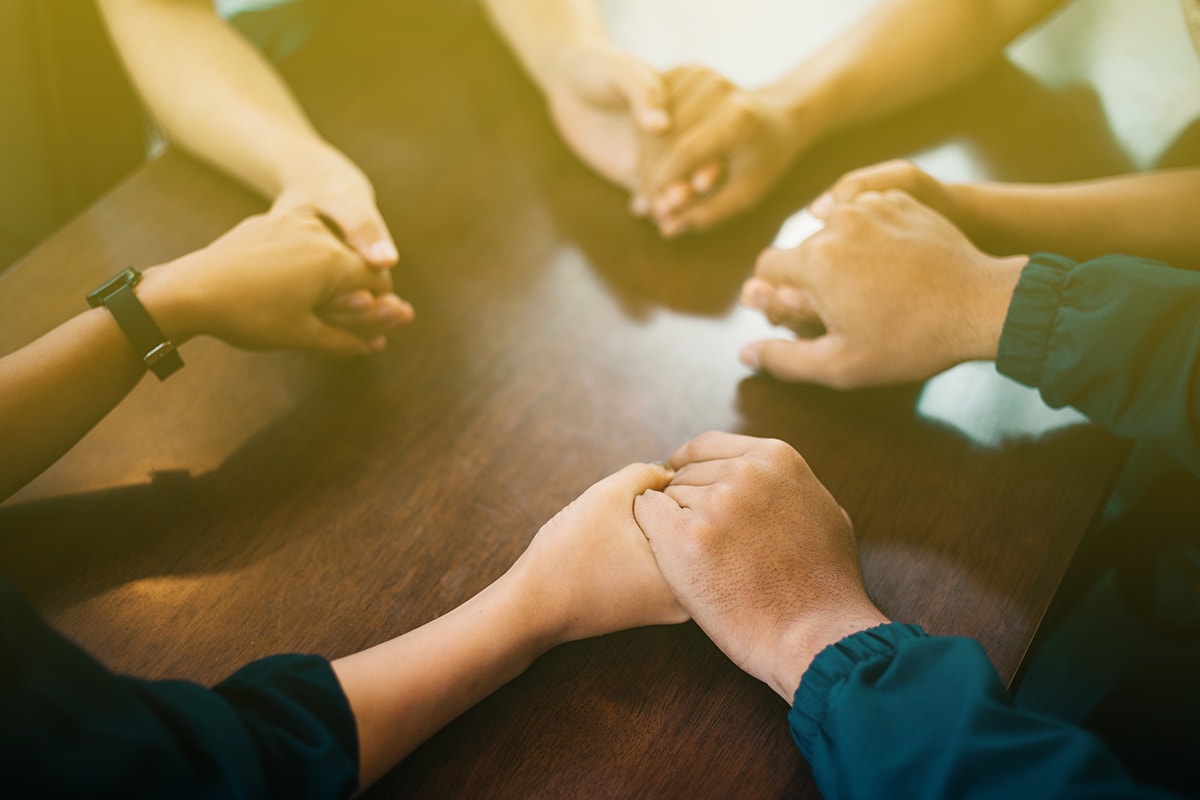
x,y
278,727
892,712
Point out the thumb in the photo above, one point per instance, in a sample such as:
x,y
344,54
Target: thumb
x,y
638,478
644,91
655,513
365,232
808,360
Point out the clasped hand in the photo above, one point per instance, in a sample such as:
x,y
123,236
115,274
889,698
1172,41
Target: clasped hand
x,y
693,148
735,532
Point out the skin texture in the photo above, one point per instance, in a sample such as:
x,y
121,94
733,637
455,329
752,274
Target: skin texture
x,y
889,291
759,554
218,98
262,286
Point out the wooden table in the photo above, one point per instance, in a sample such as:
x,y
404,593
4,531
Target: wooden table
x,y
263,503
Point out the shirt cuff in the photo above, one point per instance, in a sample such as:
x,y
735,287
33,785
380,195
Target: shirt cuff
x,y
1029,325
834,665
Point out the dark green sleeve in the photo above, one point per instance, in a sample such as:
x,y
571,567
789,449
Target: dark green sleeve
x,y
1117,338
891,712
279,727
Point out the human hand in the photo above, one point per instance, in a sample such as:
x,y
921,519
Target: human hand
x,y
590,568
759,554
264,284
600,98
327,183
896,174
727,147
892,291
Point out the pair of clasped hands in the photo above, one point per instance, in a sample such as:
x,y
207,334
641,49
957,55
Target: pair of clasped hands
x,y
692,147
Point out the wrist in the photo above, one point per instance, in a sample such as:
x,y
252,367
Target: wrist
x,y
800,106
542,622
553,69
805,638
311,161
997,280
170,302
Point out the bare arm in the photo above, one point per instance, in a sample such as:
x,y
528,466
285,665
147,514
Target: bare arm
x,y
599,95
260,287
729,145
902,52
1149,214
589,571
219,98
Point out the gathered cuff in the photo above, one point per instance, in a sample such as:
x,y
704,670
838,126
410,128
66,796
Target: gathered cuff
x,y
1029,325
834,665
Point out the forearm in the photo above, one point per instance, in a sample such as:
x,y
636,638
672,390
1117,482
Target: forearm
x,y
56,389
539,30
900,53
406,689
1149,214
212,92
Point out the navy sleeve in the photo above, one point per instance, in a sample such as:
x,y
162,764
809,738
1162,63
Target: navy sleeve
x,y
279,727
1117,338
891,712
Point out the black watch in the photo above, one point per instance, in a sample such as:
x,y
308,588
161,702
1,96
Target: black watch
x,y
155,349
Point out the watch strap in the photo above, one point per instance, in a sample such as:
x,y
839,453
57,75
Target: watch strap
x,y
155,349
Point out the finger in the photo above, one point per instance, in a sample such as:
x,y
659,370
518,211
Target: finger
x,y
705,179
644,91
700,145
783,305
637,478
675,196
711,446
391,310
356,276
381,315
688,497
358,302
895,174
656,514
808,360
364,230
725,203
782,266
698,473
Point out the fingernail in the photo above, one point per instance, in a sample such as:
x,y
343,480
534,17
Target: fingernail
x,y
822,205
383,252
639,206
378,343
358,301
749,357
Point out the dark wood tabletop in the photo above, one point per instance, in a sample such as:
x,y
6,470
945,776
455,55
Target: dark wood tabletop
x,y
262,503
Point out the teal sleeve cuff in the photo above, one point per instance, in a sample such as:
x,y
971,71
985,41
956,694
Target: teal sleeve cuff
x,y
834,665
1029,326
